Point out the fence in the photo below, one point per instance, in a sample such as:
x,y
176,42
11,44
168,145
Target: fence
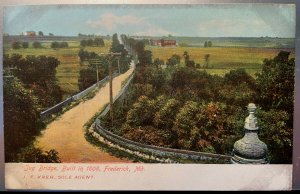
x,y
91,88
58,107
161,152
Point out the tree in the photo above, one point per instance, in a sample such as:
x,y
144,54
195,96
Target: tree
x,y
87,77
190,63
83,43
99,42
186,57
185,124
51,34
41,33
64,45
16,45
30,154
205,44
36,44
173,61
165,116
37,73
25,45
209,44
276,84
55,45
124,59
206,59
276,133
158,63
142,113
85,55
21,117
90,42
145,58
212,127
239,76
238,88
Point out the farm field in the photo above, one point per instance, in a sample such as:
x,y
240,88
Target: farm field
x,y
68,71
221,59
247,42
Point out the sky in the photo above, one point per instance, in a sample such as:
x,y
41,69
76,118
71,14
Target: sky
x,y
222,20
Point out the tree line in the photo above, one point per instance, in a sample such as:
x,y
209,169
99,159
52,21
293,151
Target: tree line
x,y
29,87
207,44
25,45
56,45
88,76
181,108
92,42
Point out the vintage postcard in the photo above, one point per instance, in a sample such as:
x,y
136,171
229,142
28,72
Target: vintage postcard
x,y
125,96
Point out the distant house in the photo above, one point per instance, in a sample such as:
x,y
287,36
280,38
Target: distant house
x,y
30,33
162,42
155,42
168,42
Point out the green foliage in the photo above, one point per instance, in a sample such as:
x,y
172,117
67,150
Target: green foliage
x,y
238,87
154,76
31,154
37,73
145,58
36,44
16,45
276,84
239,76
124,59
206,59
138,90
183,44
21,117
278,136
146,135
207,44
185,123
86,56
56,45
188,84
173,61
87,78
158,63
187,61
142,112
25,45
99,42
165,116
194,110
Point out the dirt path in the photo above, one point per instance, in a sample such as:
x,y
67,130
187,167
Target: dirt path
x,y
66,134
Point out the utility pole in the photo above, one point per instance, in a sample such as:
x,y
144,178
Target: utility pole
x,y
119,65
96,62
110,55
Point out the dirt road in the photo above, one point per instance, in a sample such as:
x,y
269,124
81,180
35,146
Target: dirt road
x,y
66,134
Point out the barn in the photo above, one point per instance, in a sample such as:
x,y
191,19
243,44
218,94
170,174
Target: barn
x,y
162,42
30,33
